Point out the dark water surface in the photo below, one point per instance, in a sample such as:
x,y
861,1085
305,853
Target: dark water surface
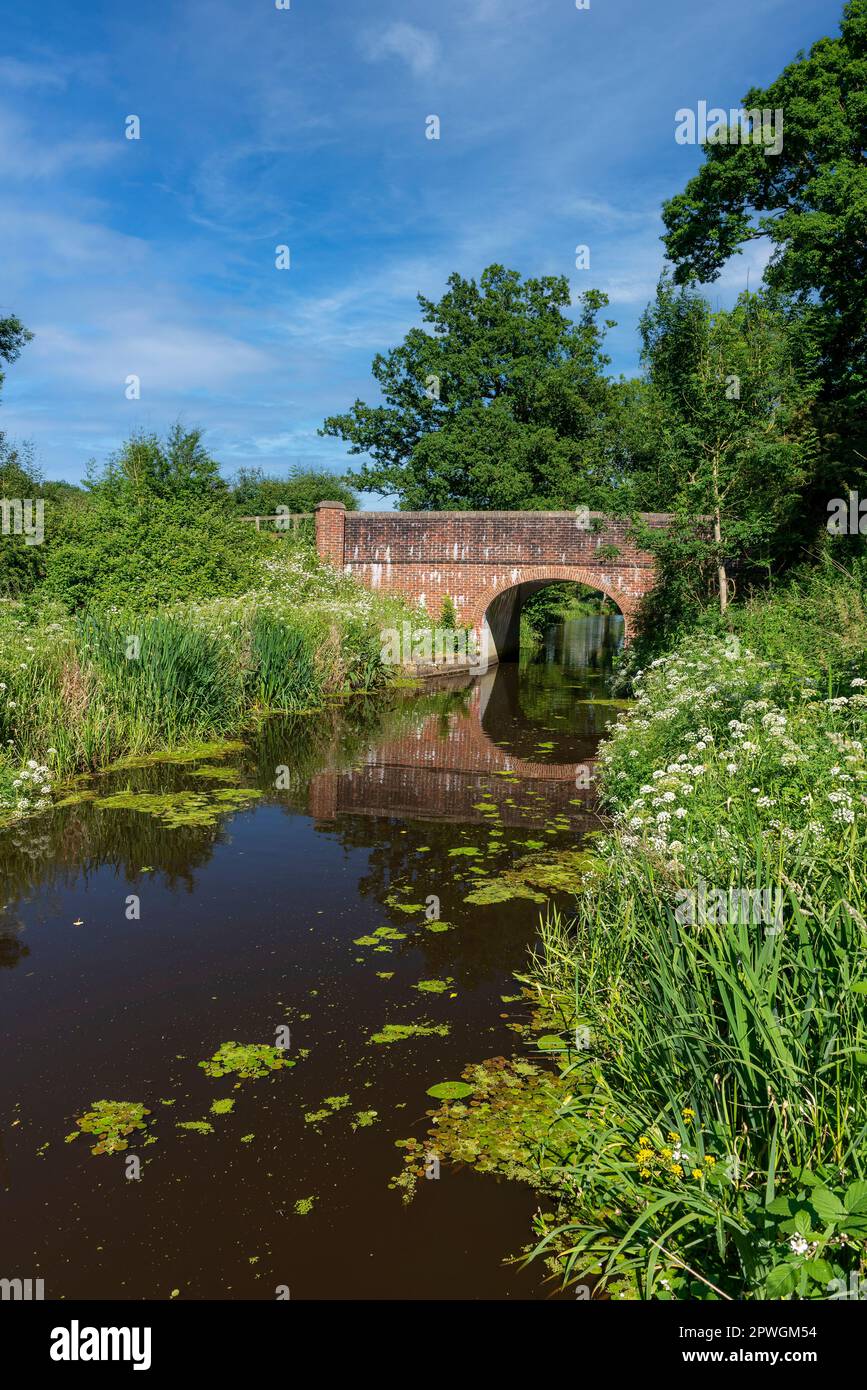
x,y
248,924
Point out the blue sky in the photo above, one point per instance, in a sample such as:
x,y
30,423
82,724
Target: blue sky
x,y
306,127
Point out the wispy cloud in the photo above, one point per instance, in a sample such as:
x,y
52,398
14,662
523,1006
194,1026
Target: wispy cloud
x,y
26,152
24,76
419,48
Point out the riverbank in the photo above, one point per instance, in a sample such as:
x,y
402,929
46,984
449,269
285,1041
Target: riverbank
x,y
714,985
80,692
688,1099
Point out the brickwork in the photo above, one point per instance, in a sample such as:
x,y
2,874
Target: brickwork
x,y
427,775
475,556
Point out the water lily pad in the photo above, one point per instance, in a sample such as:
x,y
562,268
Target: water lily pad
x,y
450,1090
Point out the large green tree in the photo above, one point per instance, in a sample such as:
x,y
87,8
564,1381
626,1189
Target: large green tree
x,y
498,402
810,200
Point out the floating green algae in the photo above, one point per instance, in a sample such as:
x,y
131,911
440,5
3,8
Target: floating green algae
x,y
380,935
213,773
245,1060
501,891
434,986
197,1126
398,1032
177,809
111,1121
304,1205
330,1106
222,1107
76,799
536,876
190,753
365,1118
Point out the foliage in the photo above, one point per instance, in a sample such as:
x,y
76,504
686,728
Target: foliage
x,y
13,337
150,551
724,1045
255,493
810,200
496,405
729,404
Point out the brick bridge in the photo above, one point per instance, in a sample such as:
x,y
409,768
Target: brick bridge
x,y
487,562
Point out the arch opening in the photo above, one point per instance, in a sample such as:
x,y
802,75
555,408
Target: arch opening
x,y
501,627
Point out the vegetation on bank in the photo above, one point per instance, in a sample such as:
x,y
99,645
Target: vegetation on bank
x,y
80,690
713,985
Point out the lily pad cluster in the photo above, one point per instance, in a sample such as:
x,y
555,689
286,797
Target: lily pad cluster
x,y
245,1060
112,1121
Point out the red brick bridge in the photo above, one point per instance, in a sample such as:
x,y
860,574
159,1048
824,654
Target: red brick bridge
x,y
487,562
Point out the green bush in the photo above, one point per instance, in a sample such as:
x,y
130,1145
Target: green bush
x,y
144,554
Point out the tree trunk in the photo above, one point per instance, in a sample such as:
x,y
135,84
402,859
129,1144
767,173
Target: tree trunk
x,y
722,577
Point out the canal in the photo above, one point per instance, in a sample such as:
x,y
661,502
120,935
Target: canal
x,y
330,883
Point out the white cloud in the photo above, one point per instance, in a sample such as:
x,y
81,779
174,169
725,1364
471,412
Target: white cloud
x,y
23,76
417,47
168,356
28,153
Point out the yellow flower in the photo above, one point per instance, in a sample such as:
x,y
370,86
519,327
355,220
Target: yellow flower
x,y
673,1137
677,1170
644,1172
688,1114
698,1173
709,1160
666,1153
644,1142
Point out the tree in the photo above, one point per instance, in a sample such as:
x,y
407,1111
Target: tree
x,y
730,407
498,403
177,469
255,494
811,201
13,336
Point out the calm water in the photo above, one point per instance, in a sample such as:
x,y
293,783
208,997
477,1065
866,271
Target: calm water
x,y
249,924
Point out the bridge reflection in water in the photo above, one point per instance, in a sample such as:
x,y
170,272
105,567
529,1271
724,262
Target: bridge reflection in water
x,y
525,734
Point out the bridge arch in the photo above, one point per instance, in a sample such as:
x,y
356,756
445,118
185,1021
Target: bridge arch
x,y
497,618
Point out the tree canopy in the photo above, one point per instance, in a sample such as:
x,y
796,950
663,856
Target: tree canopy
x,y
811,201
498,402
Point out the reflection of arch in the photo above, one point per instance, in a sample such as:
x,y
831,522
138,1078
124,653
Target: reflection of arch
x,y
425,775
497,615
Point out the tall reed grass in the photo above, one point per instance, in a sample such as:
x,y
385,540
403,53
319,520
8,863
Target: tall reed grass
x,y
719,1109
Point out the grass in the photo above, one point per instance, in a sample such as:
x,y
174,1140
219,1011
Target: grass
x,y
717,1100
78,693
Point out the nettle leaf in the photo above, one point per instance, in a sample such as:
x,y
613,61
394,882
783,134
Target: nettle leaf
x,y
855,1198
781,1206
819,1271
781,1281
828,1206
